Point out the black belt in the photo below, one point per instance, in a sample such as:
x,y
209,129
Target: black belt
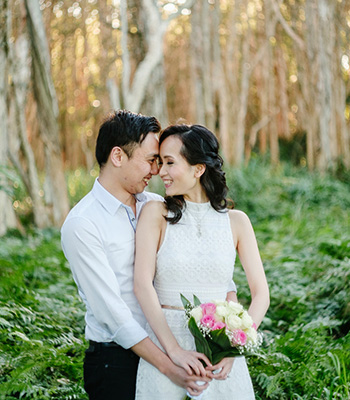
x,y
100,345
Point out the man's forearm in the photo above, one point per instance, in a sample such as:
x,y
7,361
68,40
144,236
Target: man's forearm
x,y
147,350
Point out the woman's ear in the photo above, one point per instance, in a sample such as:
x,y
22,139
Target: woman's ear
x,y
116,156
199,170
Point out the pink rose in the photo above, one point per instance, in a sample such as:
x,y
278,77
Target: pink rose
x,y
218,325
208,320
208,308
239,337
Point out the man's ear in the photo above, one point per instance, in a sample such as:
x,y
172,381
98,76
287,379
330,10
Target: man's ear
x,y
199,170
116,156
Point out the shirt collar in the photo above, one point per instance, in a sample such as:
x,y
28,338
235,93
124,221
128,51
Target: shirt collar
x,y
108,201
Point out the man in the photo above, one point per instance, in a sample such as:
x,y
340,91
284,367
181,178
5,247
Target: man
x,y
98,242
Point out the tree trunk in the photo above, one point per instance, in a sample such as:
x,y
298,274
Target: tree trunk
x,y
232,67
220,88
325,47
20,71
197,63
7,215
56,190
207,62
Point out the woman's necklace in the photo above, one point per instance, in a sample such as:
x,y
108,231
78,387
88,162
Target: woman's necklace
x,y
198,221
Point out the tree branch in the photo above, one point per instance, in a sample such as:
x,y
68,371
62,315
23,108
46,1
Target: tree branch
x,y
285,25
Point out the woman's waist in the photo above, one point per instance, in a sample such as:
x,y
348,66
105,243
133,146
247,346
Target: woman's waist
x,y
170,298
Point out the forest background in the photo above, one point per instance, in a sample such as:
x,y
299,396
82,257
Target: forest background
x,y
270,78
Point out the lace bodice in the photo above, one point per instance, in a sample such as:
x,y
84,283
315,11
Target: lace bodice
x,y
196,257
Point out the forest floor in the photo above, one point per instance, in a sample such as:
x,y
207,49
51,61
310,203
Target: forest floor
x,y
302,224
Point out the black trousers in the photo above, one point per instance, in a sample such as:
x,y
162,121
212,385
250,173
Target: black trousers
x,y
110,372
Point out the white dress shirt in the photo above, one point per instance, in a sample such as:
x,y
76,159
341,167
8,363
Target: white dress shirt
x,y
98,240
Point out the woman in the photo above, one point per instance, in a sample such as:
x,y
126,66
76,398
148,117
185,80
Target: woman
x,y
188,245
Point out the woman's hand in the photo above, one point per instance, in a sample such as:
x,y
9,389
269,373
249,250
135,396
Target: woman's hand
x,y
190,361
223,367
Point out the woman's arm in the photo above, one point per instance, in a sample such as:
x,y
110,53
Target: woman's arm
x,y
150,229
247,249
248,252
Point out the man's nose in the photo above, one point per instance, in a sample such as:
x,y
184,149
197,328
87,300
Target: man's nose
x,y
154,168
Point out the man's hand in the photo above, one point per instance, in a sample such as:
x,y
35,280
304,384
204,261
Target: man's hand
x,y
181,378
190,361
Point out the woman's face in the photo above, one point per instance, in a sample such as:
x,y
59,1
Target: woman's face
x,y
178,175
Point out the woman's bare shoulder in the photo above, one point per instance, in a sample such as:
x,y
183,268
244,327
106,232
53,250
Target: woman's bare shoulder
x,y
155,209
238,216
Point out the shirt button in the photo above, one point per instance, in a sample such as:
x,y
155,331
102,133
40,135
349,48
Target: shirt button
x,y
132,219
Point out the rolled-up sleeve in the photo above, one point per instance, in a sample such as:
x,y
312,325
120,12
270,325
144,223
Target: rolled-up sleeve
x,y
96,280
232,287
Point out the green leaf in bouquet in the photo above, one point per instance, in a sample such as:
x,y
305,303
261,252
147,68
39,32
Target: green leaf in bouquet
x,y
185,302
196,301
220,338
201,343
217,357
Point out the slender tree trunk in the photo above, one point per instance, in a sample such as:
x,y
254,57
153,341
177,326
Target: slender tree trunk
x,y
7,215
197,62
325,37
207,63
243,100
232,66
220,88
45,95
20,72
271,86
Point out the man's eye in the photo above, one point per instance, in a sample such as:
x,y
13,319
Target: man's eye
x,y
170,162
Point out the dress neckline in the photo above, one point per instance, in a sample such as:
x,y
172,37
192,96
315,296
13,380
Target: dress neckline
x,y
197,207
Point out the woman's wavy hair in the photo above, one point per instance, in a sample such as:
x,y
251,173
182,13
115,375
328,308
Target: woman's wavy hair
x,y
199,146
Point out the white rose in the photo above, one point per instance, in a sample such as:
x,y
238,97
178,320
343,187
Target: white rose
x,y
196,313
235,307
247,321
221,312
233,322
220,303
252,334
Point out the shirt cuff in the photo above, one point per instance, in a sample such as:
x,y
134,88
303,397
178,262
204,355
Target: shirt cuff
x,y
129,334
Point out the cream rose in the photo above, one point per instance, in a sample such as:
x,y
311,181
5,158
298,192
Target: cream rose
x,y
221,312
233,322
197,313
252,334
247,321
235,307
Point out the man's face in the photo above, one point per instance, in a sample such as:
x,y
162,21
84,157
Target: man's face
x,y
142,164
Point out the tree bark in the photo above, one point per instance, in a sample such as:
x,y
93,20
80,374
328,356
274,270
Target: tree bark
x,y
220,88
20,72
56,190
7,215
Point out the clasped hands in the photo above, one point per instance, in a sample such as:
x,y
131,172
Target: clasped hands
x,y
192,363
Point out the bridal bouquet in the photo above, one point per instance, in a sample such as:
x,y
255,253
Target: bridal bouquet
x,y
221,329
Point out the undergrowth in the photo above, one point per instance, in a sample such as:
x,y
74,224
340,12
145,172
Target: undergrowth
x,y
302,223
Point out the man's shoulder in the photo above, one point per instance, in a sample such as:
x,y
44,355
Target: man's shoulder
x,y
84,209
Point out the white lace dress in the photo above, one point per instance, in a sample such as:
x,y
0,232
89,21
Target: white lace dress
x,y
196,257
